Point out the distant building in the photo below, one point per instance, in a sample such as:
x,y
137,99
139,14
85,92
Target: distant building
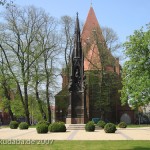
x,y
103,79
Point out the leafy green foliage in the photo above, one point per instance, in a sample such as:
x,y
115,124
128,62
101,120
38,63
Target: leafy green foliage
x,y
101,123
4,104
62,99
90,127
122,125
42,128
17,107
102,90
57,127
110,128
13,124
44,122
136,70
23,125
34,108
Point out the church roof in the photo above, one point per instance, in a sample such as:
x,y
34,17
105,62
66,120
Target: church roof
x,y
91,60
90,33
90,26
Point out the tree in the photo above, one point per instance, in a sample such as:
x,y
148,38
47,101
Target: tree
x,y
3,2
6,3
67,24
35,111
20,47
111,39
48,42
37,78
136,70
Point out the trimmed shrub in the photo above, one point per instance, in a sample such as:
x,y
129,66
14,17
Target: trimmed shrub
x,y
57,127
122,125
62,127
42,128
90,127
44,122
23,125
13,124
110,128
101,124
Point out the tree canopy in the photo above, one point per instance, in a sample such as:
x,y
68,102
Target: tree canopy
x,y
29,49
136,70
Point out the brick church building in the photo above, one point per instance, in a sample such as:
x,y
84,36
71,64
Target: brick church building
x,y
103,79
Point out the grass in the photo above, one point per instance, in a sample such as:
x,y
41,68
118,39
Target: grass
x,y
137,125
80,145
5,126
32,126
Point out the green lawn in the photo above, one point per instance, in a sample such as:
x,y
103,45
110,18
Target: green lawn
x,y
83,145
137,126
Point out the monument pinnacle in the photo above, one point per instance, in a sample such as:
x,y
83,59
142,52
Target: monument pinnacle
x,y
77,100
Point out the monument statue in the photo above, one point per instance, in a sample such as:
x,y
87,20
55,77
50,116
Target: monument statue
x,y
77,98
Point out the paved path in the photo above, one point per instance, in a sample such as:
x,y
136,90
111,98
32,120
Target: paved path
x,y
121,134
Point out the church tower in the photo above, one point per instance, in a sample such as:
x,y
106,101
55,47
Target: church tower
x,y
98,65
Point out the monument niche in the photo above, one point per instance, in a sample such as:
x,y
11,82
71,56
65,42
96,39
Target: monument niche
x,y
77,113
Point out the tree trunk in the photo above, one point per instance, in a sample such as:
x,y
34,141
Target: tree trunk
x,y
39,102
26,103
11,114
47,98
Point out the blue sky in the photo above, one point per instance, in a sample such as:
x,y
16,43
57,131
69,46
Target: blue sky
x,y
124,16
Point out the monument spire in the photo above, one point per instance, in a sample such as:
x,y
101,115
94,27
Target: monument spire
x,y
77,103
77,41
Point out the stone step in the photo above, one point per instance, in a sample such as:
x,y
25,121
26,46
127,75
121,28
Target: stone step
x,y
76,127
80,127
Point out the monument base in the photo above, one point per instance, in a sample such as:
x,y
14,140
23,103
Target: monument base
x,y
76,120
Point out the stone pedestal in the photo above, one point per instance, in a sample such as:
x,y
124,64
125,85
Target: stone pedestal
x,y
77,113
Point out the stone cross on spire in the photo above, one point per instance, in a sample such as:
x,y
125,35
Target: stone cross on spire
x,y
91,3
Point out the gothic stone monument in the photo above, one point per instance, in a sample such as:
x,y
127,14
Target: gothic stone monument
x,y
77,113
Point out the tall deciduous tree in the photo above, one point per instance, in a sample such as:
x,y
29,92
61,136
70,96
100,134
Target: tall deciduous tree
x,y
136,70
19,43
43,70
48,41
67,25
